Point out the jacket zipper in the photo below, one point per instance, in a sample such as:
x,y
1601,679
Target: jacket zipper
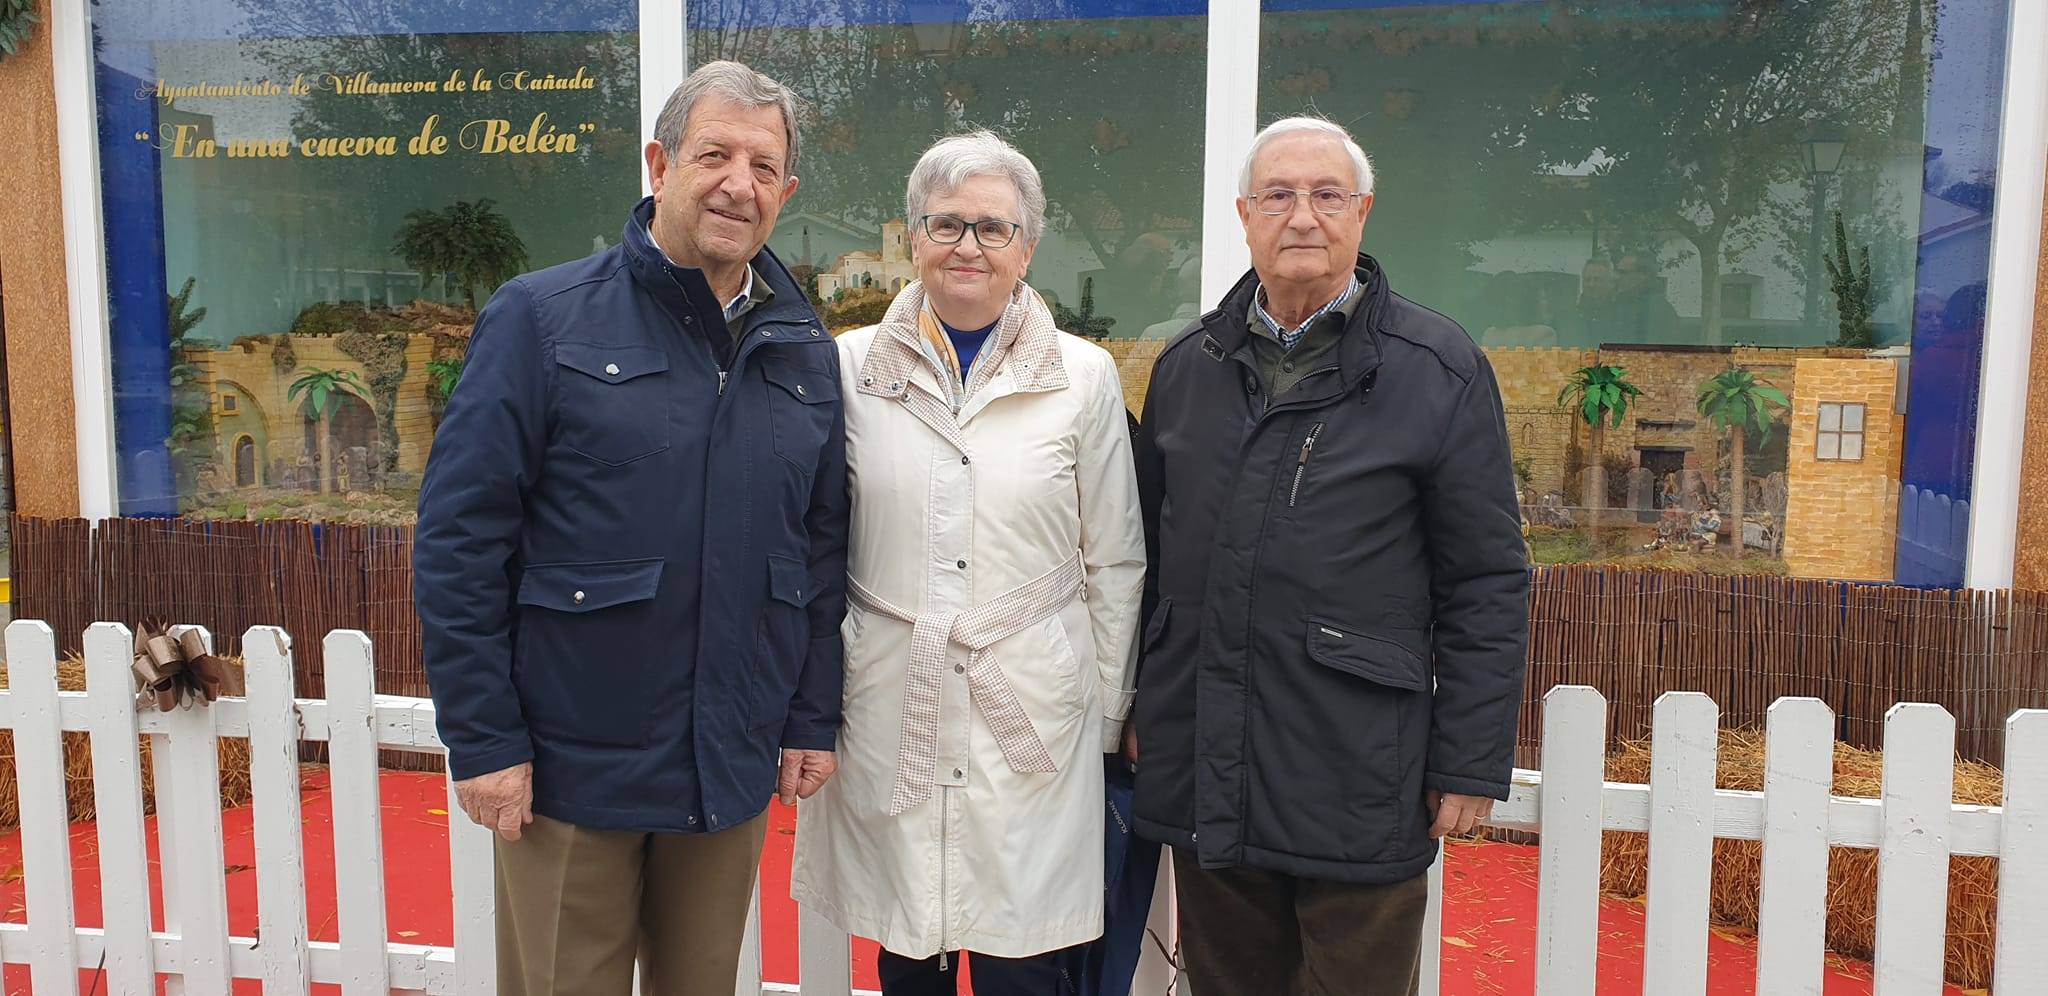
x,y
1301,465
945,815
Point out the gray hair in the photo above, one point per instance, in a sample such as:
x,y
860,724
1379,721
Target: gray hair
x,y
735,82
954,160
1300,125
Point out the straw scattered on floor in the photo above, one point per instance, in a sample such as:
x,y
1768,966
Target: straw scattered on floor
x,y
234,760
1852,872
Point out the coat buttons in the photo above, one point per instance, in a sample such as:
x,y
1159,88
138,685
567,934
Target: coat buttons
x,y
867,382
767,333
577,598
961,564
799,390
959,669
957,773
611,369
964,461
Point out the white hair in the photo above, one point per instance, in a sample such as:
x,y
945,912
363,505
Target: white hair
x,y
735,82
1300,125
954,160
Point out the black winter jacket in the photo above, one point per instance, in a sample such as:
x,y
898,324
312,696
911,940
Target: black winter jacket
x,y
1337,597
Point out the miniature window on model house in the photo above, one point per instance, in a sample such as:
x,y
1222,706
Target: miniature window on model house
x,y
1840,436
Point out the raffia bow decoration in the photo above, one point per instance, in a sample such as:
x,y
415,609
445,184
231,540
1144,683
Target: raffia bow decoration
x,y
170,671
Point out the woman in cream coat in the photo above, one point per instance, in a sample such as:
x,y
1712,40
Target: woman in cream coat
x,y
994,575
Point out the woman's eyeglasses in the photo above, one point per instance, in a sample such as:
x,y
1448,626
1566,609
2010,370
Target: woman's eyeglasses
x,y
989,233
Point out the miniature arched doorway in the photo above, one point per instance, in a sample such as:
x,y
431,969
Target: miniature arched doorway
x,y
245,461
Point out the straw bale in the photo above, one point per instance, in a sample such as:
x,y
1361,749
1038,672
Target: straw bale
x,y
1852,872
234,759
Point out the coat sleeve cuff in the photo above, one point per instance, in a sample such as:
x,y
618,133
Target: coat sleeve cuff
x,y
469,764
1116,704
1458,785
1112,736
809,737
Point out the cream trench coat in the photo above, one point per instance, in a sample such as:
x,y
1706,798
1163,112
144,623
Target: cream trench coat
x,y
945,830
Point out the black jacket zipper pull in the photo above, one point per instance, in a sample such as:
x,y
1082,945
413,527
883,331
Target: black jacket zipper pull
x,y
1308,446
721,383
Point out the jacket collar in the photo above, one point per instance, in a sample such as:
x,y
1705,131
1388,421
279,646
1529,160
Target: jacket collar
x,y
685,291
1025,346
1224,329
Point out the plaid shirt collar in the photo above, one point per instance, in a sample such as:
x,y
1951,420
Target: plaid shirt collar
x,y
1286,337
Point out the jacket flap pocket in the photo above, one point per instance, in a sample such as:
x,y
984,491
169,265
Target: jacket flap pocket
x,y
1373,658
611,364
789,580
812,387
588,587
1156,626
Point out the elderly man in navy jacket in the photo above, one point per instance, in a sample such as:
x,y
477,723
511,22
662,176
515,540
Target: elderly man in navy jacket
x,y
630,565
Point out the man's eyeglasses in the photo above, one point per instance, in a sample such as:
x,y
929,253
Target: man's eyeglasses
x,y
989,233
1281,200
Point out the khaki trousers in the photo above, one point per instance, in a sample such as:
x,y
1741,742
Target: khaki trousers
x,y
577,906
1246,932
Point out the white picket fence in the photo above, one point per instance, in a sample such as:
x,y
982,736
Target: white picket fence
x,y
1914,827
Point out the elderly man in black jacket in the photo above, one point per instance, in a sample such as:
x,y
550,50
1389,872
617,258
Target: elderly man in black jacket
x,y
1336,605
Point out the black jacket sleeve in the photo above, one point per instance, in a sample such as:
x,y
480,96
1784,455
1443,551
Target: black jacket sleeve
x,y
1479,590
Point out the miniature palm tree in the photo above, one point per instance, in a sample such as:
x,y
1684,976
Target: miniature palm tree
x,y
1735,400
319,394
1601,393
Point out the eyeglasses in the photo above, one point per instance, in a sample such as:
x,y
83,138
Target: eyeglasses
x,y
1325,200
989,233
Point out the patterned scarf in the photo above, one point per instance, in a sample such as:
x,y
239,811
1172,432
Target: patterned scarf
x,y
934,333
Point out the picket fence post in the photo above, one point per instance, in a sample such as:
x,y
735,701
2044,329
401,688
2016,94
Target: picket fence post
x,y
1571,811
358,813
117,807
274,734
1799,775
1913,853
45,824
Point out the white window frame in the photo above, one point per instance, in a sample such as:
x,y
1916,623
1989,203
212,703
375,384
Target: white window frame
x,y
2009,306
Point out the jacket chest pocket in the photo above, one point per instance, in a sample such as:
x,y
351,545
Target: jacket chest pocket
x,y
613,401
801,403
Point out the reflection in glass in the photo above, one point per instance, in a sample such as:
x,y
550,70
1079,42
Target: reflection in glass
x,y
305,206
1658,186
1105,97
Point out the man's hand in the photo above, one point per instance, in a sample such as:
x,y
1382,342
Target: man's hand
x,y
1131,742
804,772
501,801
1456,814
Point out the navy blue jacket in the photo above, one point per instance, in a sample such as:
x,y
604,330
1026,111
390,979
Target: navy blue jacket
x,y
627,574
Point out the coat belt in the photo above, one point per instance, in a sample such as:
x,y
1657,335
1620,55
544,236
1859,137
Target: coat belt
x,y
976,629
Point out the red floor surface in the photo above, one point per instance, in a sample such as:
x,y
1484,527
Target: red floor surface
x,y
1489,917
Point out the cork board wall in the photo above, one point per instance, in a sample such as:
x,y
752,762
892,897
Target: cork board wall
x,y
2030,560
32,285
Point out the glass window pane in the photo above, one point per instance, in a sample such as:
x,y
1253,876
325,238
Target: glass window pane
x,y
1828,446
1852,447
1830,416
1108,107
310,194
1573,184
1852,418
